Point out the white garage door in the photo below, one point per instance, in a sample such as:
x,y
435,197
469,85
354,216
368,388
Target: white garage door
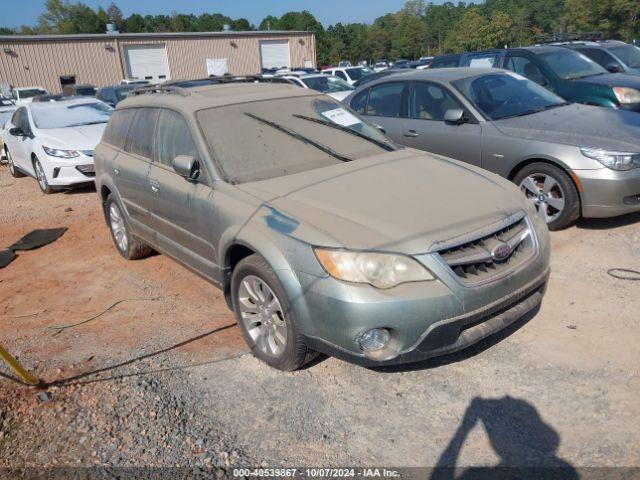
x,y
148,62
275,54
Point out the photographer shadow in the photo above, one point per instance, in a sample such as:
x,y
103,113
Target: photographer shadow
x,y
527,446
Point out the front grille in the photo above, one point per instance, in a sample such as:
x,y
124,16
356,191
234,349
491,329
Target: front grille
x,y
492,255
87,170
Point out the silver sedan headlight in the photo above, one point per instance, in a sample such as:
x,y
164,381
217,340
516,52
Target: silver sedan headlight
x,y
381,270
613,160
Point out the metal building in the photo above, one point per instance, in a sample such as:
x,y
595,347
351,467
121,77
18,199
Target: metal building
x,y
52,61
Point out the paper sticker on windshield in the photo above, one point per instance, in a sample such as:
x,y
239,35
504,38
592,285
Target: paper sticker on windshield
x,y
341,117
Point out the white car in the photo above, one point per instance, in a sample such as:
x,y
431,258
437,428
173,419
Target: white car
x,y
134,81
380,66
24,95
331,85
350,74
53,142
6,112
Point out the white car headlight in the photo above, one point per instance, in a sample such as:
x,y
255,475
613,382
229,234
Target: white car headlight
x,y
56,152
381,270
627,95
613,160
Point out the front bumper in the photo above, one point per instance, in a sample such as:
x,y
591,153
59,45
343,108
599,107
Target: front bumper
x,y
425,319
62,172
609,193
631,107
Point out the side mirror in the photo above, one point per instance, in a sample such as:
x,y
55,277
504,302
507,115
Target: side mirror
x,y
613,67
380,128
455,116
186,166
16,132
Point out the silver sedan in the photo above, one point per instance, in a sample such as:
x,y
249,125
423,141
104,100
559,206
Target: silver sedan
x,y
570,160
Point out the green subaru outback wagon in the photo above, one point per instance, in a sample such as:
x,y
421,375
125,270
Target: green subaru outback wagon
x,y
323,234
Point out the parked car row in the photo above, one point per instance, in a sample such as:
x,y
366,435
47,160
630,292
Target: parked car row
x,y
409,221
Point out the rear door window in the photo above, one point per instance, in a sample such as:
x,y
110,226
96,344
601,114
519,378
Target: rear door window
x,y
526,68
118,127
141,132
386,100
173,138
359,102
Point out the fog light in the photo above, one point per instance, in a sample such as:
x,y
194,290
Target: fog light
x,y
373,340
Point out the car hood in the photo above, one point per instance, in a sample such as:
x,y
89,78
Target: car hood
x,y
579,125
75,138
404,201
613,79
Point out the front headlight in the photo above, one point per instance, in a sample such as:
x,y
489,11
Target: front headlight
x,y
627,95
381,270
56,152
613,160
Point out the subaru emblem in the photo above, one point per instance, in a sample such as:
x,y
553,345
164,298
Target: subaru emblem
x,y
501,252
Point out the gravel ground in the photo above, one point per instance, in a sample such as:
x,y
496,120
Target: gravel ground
x,y
165,380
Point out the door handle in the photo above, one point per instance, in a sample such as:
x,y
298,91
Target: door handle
x,y
411,133
116,171
155,186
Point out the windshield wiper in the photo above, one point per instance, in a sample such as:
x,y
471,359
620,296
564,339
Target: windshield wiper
x,y
88,123
539,109
297,136
342,128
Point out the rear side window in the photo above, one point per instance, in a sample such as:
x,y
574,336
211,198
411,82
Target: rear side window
x,y
173,138
141,132
116,131
359,102
385,100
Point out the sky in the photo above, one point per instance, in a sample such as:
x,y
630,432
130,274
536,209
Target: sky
x,y
326,11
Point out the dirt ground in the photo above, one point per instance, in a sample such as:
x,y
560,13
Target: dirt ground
x,y
164,378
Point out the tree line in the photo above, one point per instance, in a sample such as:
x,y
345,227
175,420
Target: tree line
x,y
416,30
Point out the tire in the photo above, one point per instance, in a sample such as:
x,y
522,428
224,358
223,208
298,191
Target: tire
x,y
13,170
41,177
128,245
263,327
552,191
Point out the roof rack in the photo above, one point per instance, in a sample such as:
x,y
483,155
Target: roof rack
x,y
181,87
569,37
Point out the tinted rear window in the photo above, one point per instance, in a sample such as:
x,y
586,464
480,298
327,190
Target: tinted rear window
x,y
116,132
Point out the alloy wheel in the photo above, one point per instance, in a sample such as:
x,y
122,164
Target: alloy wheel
x,y
116,222
42,179
546,194
262,315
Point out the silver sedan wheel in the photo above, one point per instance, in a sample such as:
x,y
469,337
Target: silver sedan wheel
x,y
262,315
546,194
42,179
116,222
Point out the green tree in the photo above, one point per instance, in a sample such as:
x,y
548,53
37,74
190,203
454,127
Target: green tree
x,y
115,16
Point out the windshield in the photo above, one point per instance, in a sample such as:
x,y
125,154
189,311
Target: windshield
x,y
273,138
122,93
32,92
326,84
569,64
356,73
503,95
61,115
4,116
629,54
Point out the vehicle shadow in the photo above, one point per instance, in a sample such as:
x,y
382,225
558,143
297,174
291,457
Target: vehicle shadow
x,y
526,445
464,354
90,188
606,223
